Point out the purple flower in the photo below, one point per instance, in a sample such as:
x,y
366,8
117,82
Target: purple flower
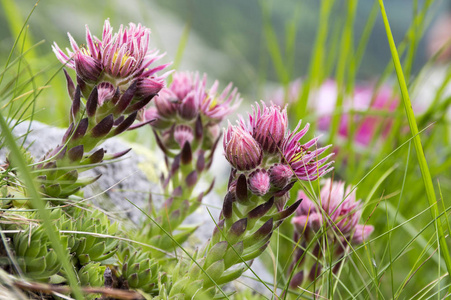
x,y
304,162
280,175
361,233
215,107
188,97
269,125
118,58
341,215
258,182
241,149
183,134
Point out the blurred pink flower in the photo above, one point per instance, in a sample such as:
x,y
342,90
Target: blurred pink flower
x,y
341,215
187,97
364,104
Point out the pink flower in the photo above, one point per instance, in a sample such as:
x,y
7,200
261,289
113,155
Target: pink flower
x,y
341,215
280,175
188,97
118,58
216,107
363,101
361,233
241,149
258,182
269,125
304,162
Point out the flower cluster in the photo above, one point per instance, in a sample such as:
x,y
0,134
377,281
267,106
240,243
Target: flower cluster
x,y
271,155
115,77
365,108
266,158
122,58
337,215
186,125
187,111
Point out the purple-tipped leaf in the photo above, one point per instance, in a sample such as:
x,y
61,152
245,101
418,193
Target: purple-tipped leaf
x,y
259,235
138,105
200,163
91,104
75,154
126,123
227,207
186,155
241,190
80,131
70,84
68,133
75,108
103,127
261,210
199,129
126,99
236,230
97,156
287,212
191,179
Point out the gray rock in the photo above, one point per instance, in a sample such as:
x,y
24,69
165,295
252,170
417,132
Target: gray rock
x,y
121,180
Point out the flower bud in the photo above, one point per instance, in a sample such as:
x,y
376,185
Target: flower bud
x,y
165,103
189,107
241,150
183,83
258,182
147,87
182,134
87,68
280,175
105,91
269,125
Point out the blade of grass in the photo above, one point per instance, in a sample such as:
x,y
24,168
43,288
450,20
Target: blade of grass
x,y
317,59
427,179
346,47
37,202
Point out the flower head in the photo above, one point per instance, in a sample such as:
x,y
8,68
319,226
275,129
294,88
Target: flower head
x,y
118,58
304,162
187,97
269,125
241,149
342,212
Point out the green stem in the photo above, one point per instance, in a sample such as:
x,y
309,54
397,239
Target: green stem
x,y
427,179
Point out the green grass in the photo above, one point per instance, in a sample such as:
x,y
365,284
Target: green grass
x,y
407,257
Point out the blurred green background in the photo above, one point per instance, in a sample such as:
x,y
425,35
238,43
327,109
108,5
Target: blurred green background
x,y
226,39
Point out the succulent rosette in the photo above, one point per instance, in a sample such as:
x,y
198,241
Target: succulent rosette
x,y
337,214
